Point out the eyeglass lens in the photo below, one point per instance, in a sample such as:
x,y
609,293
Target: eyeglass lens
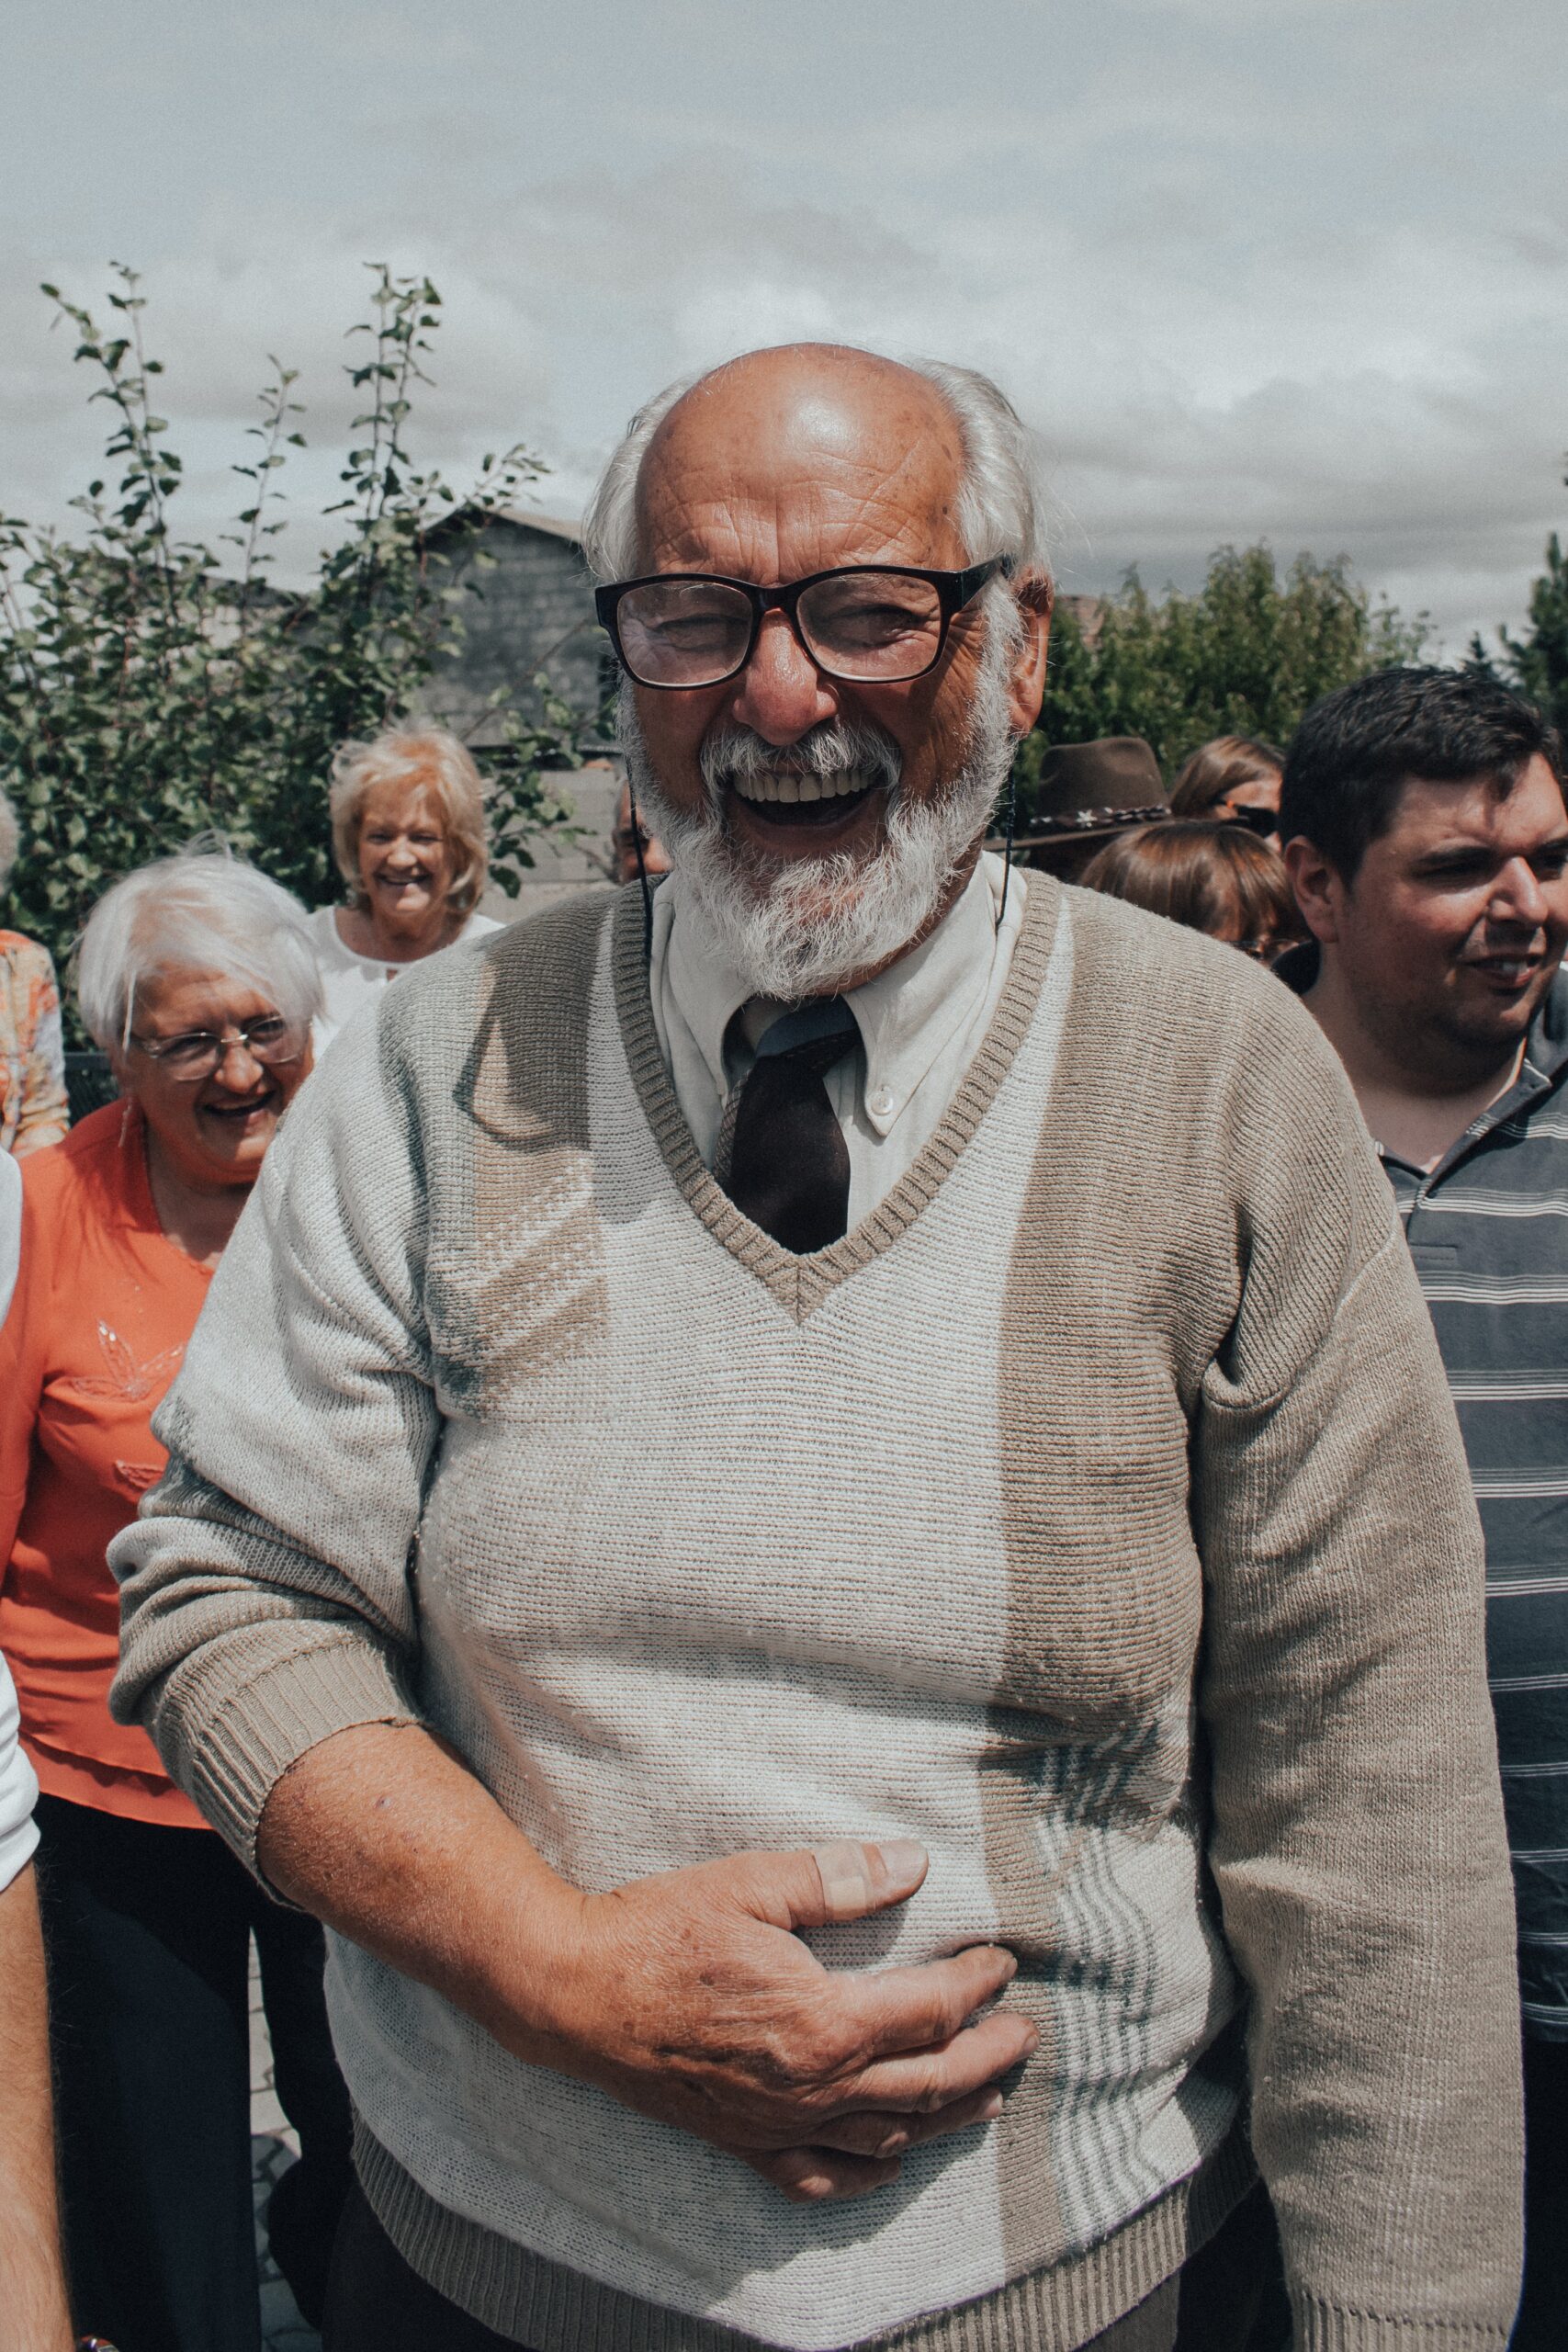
x,y
197,1051
864,624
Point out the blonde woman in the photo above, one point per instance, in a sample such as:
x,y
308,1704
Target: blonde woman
x,y
409,835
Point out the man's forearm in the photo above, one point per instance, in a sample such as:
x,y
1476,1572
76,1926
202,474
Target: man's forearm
x,y
687,1995
385,1835
33,2313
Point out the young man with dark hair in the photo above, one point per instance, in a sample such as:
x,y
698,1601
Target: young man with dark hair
x,y
1428,841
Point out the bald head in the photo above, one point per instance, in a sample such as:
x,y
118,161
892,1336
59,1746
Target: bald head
x,y
799,438
923,434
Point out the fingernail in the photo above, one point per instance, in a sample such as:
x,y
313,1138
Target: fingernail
x,y
992,2108
1012,1967
902,1858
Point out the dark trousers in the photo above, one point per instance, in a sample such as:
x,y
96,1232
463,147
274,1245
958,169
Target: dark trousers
x,y
376,2303
1542,2323
147,1932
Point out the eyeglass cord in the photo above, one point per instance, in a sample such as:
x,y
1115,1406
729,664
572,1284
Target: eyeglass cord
x,y
641,874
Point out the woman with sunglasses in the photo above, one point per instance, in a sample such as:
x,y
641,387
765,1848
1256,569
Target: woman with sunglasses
x,y
1235,780
196,976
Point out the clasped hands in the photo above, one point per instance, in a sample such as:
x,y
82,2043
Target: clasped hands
x,y
689,1997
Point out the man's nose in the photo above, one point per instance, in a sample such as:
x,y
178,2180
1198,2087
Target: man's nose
x,y
1520,898
781,695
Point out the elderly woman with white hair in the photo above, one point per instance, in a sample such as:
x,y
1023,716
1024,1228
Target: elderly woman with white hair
x,y
409,836
196,977
32,1059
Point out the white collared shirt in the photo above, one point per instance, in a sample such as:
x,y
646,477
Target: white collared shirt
x,y
920,1024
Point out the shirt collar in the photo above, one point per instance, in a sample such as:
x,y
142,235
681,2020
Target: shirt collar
x,y
907,1016
911,1013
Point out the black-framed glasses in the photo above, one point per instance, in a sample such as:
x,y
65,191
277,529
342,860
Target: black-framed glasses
x,y
865,623
195,1052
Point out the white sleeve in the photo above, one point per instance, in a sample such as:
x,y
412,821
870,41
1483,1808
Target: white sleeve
x,y
18,1787
10,1227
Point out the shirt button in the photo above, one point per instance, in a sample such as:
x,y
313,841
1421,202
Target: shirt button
x,y
880,1104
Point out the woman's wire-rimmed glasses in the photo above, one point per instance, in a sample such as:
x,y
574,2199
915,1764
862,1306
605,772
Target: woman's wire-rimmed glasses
x,y
195,1052
863,624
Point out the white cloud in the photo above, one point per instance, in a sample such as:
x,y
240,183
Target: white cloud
x,y
1272,269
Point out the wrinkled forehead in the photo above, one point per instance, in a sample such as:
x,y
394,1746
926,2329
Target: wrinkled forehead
x,y
772,471
186,996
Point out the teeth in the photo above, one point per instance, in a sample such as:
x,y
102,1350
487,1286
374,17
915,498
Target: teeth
x,y
782,784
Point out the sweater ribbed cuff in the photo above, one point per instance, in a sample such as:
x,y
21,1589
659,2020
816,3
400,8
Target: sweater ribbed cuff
x,y
267,1706
1325,2327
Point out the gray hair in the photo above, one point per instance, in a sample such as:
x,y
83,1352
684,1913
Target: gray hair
x,y
203,910
1002,504
10,840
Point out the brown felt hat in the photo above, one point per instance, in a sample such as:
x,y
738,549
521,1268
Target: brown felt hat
x,y
1086,790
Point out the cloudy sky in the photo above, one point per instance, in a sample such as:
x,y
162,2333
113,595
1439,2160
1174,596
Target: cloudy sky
x,y
1292,269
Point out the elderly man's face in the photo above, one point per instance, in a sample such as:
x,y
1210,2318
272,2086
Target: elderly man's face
x,y
790,463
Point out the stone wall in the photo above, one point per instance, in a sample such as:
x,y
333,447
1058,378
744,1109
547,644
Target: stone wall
x,y
571,866
531,608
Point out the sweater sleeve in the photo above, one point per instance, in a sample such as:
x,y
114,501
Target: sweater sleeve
x,y
266,1600
1357,1838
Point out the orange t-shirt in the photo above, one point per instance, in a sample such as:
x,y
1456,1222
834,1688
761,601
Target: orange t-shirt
x,y
103,1307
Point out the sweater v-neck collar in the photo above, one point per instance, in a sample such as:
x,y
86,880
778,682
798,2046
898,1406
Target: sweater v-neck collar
x,y
801,1284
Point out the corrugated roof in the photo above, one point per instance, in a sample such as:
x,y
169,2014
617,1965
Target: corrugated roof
x,y
555,526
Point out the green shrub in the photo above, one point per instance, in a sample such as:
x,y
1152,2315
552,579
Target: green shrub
x,y
150,692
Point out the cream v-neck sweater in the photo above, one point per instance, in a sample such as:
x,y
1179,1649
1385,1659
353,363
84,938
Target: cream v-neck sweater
x,y
1094,1511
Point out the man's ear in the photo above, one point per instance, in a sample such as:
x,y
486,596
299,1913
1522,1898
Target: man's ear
x,y
1036,593
1320,893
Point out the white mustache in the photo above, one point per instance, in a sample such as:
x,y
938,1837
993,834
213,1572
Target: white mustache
x,y
835,758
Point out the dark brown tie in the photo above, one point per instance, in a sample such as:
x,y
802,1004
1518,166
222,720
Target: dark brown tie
x,y
782,1156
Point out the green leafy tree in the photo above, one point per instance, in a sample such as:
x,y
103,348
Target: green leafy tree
x,y
1246,655
1537,662
149,691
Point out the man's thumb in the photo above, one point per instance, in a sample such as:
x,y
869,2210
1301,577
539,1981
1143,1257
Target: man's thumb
x,y
856,1879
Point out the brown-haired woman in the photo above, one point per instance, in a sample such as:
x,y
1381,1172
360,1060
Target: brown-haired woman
x,y
1211,876
1234,776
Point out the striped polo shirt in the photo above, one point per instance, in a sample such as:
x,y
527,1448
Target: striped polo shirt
x,y
1488,1231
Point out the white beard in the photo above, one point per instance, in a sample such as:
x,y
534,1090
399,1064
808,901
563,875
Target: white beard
x,y
793,928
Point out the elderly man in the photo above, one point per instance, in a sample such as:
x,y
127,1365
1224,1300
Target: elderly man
x,y
838,1777
1429,854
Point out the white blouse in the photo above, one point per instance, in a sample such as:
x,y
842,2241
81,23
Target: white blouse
x,y
349,981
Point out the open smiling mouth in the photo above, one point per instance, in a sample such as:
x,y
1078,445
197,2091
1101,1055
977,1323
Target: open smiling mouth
x,y
783,799
237,1112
